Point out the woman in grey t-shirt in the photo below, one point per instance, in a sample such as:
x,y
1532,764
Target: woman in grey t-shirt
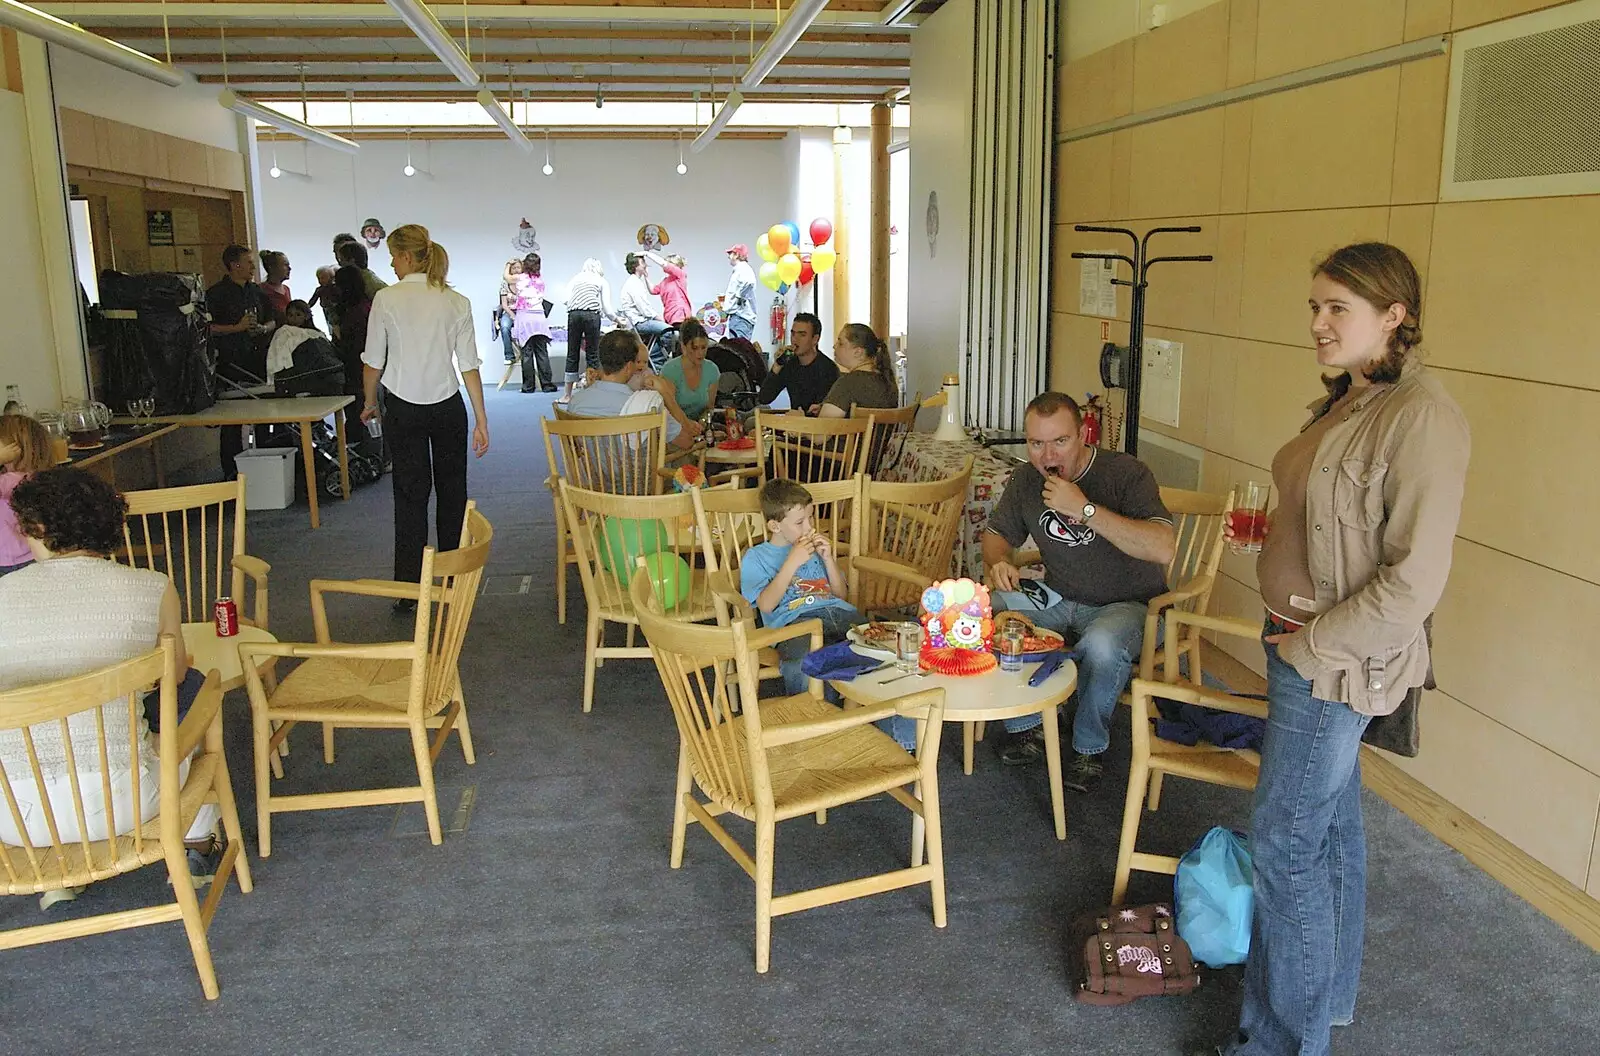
x,y
866,375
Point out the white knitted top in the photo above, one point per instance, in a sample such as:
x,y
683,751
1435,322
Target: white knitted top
x,y
65,617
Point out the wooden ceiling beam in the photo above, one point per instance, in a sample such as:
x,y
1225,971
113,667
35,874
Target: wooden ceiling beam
x,y
489,65
882,84
668,95
496,34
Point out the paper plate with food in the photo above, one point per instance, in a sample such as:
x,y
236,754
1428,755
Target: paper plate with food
x,y
1037,642
879,638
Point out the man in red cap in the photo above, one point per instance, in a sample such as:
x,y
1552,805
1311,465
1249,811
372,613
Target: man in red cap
x,y
737,303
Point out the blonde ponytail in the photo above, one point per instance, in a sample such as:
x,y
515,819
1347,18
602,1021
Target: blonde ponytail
x,y
429,256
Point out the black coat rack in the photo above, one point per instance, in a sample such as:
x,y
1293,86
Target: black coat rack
x,y
1139,264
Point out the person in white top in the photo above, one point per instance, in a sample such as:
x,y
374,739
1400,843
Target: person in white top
x,y
420,332
640,308
737,304
588,299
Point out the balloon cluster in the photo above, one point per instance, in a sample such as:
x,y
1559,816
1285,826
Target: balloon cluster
x,y
785,264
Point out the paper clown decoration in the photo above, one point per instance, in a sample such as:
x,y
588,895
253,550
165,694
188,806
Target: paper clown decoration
x,y
372,232
957,626
526,240
652,237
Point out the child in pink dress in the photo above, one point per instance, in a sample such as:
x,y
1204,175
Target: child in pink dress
x,y
24,450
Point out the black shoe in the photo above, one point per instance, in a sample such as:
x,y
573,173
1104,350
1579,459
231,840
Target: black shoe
x,y
1082,774
405,607
1025,748
532,390
548,388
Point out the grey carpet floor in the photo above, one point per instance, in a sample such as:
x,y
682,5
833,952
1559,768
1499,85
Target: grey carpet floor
x,y
551,922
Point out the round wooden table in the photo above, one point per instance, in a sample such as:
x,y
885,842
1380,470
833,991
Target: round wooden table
x,y
222,654
987,697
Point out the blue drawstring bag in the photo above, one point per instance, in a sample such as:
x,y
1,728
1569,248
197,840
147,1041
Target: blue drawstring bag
x,y
1215,898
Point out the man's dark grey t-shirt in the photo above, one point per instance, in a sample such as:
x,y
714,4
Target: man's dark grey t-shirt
x,y
1079,564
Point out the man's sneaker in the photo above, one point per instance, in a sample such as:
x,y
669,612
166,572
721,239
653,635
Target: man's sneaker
x,y
1082,774
1025,748
204,859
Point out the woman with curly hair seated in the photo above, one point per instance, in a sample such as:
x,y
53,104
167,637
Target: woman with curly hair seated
x,y
73,611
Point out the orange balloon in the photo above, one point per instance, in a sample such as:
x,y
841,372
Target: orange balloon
x,y
778,239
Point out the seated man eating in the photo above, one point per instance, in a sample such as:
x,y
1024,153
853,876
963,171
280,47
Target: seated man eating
x,y
1106,539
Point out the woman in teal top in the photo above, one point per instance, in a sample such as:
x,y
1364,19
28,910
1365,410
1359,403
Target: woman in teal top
x,y
692,375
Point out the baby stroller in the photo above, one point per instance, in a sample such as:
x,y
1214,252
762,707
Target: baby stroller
x,y
303,363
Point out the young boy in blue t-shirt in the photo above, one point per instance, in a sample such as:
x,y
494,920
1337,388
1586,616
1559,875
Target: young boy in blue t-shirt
x,y
795,576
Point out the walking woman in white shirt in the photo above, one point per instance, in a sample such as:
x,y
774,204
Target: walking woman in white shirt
x,y
419,333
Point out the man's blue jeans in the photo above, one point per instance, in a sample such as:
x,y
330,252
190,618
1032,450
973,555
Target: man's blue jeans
x,y
1109,638
648,331
1310,860
739,326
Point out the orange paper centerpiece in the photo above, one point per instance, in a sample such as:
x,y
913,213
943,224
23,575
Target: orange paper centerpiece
x,y
957,624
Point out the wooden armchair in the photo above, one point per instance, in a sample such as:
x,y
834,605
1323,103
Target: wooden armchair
x,y
50,840
410,685
905,526
673,525
619,456
889,431
195,537
785,757
812,450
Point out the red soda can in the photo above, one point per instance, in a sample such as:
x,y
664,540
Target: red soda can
x,y
227,617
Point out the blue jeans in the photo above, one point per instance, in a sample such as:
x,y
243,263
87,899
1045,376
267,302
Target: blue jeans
x,y
836,621
739,326
1309,855
1109,638
648,331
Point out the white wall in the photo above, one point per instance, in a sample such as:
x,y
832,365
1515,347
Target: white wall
x,y
601,193
27,356
190,111
941,161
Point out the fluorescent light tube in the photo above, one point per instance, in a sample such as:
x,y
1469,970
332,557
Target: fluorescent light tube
x,y
417,15
310,133
724,114
36,23
487,100
784,37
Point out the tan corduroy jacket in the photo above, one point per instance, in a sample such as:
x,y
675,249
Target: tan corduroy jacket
x,y
1381,511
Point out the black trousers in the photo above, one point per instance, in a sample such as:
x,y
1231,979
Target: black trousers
x,y
536,363
583,335
428,443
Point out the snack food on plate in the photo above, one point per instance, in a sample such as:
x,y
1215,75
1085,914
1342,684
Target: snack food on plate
x,y
958,625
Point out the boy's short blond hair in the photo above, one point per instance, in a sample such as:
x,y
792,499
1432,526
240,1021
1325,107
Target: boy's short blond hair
x,y
778,497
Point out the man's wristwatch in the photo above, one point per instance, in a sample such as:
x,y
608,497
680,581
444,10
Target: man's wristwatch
x,y
1089,510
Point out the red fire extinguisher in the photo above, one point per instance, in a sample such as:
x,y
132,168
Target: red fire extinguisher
x,y
780,321
1091,420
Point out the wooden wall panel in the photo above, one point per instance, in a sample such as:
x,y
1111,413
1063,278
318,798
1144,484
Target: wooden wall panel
x,y
1476,12
1064,289
1242,16
1097,87
1411,228
1229,267
10,61
1177,166
1419,130
80,142
1545,691
1298,161
1531,796
1523,496
187,161
1272,383
1184,296
1425,18
1296,34
1508,280
1594,864
1236,142
1083,180
1181,60
1075,353
1280,249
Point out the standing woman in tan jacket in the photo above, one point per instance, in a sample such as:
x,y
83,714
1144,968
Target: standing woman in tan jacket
x,y
1369,496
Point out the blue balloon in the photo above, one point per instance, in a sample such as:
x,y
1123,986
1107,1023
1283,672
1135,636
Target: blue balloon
x,y
933,600
794,234
783,287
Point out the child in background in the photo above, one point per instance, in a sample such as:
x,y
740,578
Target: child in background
x,y
24,451
298,314
328,296
795,576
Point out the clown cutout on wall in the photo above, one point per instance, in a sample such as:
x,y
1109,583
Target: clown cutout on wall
x,y
526,240
652,237
957,626
372,232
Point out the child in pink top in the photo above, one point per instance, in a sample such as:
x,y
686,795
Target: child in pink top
x,y
24,450
673,290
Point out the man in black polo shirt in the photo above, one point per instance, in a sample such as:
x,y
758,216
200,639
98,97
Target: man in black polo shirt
x,y
237,309
1106,540
804,371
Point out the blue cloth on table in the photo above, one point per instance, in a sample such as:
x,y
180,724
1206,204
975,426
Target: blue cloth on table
x,y
838,663
1189,724
1050,665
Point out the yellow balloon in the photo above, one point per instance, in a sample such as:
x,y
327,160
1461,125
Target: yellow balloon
x,y
948,589
778,239
822,260
788,267
963,592
764,248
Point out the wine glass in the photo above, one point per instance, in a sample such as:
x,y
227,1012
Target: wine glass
x,y
147,407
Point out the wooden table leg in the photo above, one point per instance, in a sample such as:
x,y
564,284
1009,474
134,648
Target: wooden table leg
x,y
344,452
155,463
1052,762
311,472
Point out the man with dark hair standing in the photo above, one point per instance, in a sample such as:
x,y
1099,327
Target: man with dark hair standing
x,y
639,307
1106,539
238,318
801,369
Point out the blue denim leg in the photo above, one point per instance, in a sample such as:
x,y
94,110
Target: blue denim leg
x,y
1309,855
836,622
1109,637
1058,618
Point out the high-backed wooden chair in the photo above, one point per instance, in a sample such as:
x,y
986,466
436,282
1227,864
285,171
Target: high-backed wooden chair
x,y
410,685
668,523
619,456
195,537
889,431
911,526
785,757
50,847
1154,757
812,450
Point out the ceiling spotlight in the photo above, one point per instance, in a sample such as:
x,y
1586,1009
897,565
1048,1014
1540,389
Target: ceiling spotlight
x,y
682,168
549,170
274,172
410,169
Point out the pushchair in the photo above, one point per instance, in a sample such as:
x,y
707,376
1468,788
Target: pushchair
x,y
314,369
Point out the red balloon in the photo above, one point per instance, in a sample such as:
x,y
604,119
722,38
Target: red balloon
x,y
821,231
806,274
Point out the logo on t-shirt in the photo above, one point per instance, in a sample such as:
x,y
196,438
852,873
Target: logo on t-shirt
x,y
809,592
1068,531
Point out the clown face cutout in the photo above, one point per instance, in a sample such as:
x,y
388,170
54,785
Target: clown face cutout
x,y
958,621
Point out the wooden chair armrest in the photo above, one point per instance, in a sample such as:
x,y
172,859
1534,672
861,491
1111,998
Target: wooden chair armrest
x,y
256,569
733,476
1189,591
252,651
889,569
1206,698
1176,618
372,588
848,718
201,714
764,637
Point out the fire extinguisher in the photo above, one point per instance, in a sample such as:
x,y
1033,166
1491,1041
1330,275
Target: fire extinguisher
x,y
1091,420
779,320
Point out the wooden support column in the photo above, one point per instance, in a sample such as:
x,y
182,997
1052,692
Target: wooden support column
x,y
880,219
841,230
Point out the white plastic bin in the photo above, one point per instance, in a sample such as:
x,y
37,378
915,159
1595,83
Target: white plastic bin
x,y
268,477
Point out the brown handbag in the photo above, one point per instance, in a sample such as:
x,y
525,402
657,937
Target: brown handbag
x,y
1123,954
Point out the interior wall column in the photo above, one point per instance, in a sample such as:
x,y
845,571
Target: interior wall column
x,y
880,218
841,230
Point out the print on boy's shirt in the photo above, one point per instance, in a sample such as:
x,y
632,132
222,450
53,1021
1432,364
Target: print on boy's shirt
x,y
810,590
1068,531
